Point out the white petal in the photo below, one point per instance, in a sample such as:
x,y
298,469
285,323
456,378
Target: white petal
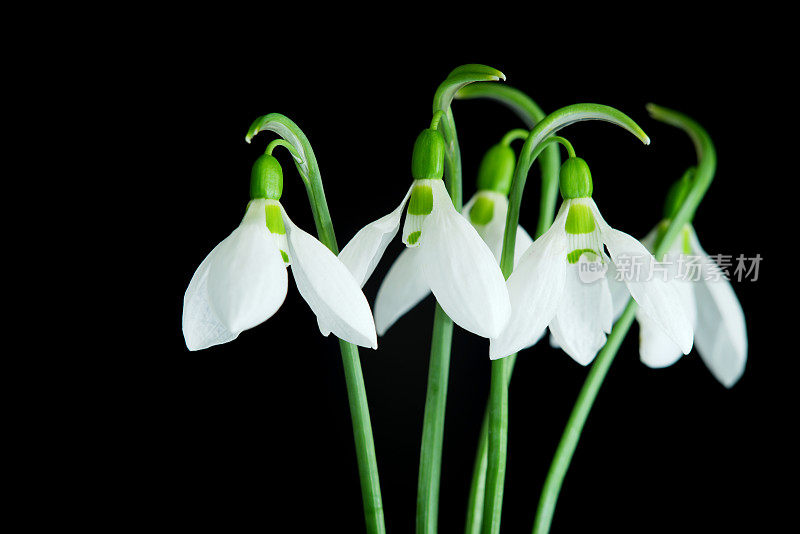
x,y
521,244
365,250
656,298
535,288
329,289
201,327
721,332
583,317
492,233
607,311
402,289
461,270
656,349
649,241
247,279
620,296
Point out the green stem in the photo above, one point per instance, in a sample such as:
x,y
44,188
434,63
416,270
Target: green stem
x,y
707,160
436,398
362,432
281,142
530,113
580,412
306,164
535,143
430,458
513,135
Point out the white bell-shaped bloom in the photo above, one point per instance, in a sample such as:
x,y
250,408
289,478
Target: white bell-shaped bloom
x,y
709,302
243,282
487,211
445,255
561,282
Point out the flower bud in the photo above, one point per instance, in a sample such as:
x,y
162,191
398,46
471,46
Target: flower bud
x,y
428,159
575,179
497,169
266,178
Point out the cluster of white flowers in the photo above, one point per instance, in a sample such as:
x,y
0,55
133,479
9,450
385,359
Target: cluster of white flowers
x,y
243,281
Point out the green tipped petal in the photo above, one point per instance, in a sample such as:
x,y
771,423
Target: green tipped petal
x,y
275,219
687,241
575,255
421,202
482,211
579,220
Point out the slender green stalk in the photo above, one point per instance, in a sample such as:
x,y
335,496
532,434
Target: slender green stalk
x,y
707,160
362,432
430,461
306,164
530,113
580,412
498,396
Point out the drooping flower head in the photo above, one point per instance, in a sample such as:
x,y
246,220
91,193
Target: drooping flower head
x,y
244,281
707,298
444,253
487,209
561,280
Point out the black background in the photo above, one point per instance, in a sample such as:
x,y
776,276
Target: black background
x,y
255,433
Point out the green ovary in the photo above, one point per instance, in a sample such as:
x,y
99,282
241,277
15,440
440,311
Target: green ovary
x,y
482,211
421,202
579,220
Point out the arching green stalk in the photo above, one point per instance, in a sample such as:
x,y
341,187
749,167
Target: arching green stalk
x,y
707,162
306,164
430,461
498,395
531,114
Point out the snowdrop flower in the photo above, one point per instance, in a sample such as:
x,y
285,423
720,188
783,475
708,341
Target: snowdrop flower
x,y
487,209
444,253
561,280
244,281
708,300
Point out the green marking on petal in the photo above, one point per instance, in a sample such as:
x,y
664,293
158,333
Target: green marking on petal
x,y
575,255
275,219
687,246
421,202
579,220
413,237
482,211
285,257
